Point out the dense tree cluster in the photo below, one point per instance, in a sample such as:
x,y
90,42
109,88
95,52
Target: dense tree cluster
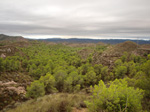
x,y
59,68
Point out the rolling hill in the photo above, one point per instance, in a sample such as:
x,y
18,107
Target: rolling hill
x,y
11,38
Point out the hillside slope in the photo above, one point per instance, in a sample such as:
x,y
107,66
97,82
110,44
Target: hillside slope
x,y
11,38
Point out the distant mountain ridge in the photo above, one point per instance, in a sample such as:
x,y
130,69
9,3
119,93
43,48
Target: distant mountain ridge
x,y
108,41
72,40
11,38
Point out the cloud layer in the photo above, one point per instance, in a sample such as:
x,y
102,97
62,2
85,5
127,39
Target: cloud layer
x,y
76,18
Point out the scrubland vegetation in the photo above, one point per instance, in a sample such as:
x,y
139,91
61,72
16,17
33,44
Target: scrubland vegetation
x,y
62,79
61,102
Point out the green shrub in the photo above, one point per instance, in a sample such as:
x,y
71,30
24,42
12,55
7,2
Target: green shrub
x,y
49,83
104,72
73,82
60,77
35,90
118,97
146,68
118,62
148,57
1,64
90,78
120,71
124,57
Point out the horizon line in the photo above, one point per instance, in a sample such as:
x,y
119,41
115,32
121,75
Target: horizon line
x,y
90,38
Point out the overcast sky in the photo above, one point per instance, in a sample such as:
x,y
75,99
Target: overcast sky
x,y
76,18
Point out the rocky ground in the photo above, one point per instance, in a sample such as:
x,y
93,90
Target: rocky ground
x,y
10,92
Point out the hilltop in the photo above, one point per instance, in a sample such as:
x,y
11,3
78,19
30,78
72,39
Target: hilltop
x,y
11,38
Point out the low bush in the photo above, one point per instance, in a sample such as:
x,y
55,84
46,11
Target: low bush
x,y
118,97
35,90
61,102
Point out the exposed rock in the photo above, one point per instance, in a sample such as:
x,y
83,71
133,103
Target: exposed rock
x,y
10,92
8,50
8,83
18,90
3,56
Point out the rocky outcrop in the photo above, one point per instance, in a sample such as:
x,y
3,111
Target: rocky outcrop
x,y
3,55
10,92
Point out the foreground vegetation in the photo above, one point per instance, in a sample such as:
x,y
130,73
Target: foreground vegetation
x,y
61,102
59,73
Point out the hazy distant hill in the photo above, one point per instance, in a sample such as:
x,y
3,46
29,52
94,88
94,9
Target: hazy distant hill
x,y
11,38
109,41
73,40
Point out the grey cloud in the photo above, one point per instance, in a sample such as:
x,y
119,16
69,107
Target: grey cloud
x,y
75,18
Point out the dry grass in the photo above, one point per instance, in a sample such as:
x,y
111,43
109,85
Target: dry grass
x,y
61,102
79,110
